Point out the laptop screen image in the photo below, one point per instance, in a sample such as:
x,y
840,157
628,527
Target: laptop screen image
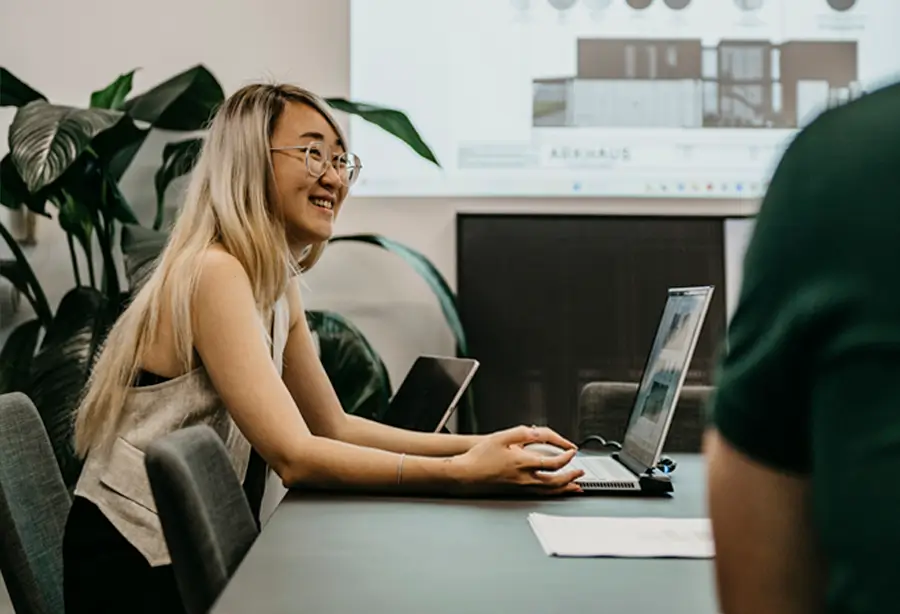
x,y
664,374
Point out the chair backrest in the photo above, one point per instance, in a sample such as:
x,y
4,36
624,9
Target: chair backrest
x,y
34,505
604,409
204,512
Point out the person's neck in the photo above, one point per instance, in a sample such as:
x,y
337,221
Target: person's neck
x,y
297,248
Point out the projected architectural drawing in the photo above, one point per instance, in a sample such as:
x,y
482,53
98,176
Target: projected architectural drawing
x,y
683,84
619,98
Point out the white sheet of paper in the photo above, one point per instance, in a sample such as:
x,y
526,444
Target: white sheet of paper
x,y
580,536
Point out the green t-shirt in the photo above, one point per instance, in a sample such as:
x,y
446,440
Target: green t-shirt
x,y
811,379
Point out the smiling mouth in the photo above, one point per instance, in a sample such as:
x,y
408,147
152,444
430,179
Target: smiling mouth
x,y
322,203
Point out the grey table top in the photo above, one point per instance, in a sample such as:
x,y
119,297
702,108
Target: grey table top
x,y
342,554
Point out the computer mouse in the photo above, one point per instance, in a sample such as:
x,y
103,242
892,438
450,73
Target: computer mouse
x,y
544,449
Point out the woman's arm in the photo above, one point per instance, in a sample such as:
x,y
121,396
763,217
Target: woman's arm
x,y
312,391
365,432
229,337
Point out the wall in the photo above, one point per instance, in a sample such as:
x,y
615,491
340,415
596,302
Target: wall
x,y
303,41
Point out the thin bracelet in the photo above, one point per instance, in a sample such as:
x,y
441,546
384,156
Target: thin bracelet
x,y
400,469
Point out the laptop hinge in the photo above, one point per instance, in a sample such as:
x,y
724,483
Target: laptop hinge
x,y
632,464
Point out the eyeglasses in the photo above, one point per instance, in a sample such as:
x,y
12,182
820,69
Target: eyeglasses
x,y
319,157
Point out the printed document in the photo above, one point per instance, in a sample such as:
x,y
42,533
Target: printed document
x,y
579,536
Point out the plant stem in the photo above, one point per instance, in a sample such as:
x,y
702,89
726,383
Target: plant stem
x,y
37,297
103,224
74,259
84,241
89,256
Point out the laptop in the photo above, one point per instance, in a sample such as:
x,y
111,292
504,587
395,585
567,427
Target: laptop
x,y
430,392
631,469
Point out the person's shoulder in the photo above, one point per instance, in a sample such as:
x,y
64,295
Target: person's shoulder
x,y
882,101
862,127
219,272
217,263
846,157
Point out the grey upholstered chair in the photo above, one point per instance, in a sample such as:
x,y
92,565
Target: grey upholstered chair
x,y
203,510
605,407
34,504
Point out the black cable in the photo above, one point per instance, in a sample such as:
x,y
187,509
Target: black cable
x,y
665,465
598,439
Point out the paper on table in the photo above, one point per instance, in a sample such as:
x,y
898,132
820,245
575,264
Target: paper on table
x,y
578,536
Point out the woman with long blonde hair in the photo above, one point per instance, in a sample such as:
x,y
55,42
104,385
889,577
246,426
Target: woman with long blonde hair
x,y
216,335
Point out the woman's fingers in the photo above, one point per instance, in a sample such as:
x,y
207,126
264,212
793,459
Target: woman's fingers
x,y
550,436
559,478
523,435
539,462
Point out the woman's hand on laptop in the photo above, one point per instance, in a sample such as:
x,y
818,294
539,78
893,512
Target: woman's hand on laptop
x,y
500,462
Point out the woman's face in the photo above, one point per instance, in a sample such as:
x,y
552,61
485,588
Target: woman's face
x,y
309,204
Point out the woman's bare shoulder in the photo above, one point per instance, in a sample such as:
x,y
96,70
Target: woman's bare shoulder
x,y
217,265
218,274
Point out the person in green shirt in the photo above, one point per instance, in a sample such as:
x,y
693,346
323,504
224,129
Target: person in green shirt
x,y
804,445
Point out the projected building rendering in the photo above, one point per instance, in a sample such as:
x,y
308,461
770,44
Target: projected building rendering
x,y
682,84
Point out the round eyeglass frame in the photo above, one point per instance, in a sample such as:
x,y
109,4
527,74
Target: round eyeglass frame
x,y
351,171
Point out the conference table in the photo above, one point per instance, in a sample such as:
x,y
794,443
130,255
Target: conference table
x,y
327,553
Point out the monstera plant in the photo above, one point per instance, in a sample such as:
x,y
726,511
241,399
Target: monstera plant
x,y
67,162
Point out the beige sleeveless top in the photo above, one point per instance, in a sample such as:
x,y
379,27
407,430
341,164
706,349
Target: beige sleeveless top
x,y
115,480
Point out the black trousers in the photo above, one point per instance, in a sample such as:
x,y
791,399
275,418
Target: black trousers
x,y
105,574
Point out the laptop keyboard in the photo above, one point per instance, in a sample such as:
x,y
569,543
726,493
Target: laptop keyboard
x,y
605,472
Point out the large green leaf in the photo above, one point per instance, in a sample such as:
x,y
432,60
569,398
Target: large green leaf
x,y
23,278
78,308
115,202
392,121
13,191
14,92
16,356
178,159
58,376
184,102
434,279
113,95
357,373
87,181
45,139
117,147
75,219
60,368
16,275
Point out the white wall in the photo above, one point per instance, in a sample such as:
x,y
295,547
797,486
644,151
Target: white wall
x,y
67,49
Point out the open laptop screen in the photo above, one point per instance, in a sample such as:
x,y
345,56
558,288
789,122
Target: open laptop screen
x,y
670,356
